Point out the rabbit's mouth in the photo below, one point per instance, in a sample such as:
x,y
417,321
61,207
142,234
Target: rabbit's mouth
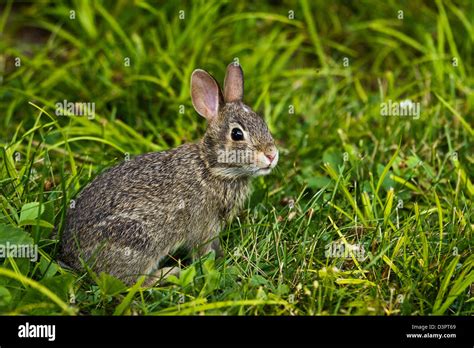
x,y
263,171
269,161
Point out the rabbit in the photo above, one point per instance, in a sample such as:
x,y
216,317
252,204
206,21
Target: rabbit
x,y
133,215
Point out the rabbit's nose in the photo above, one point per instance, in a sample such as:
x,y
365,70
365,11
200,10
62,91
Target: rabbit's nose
x,y
270,156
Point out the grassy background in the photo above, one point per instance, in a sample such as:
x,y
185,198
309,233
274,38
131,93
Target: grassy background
x,y
398,187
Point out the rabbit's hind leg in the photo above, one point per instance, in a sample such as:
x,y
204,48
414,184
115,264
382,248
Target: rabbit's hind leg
x,y
122,249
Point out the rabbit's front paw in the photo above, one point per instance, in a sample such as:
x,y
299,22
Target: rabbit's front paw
x,y
159,277
216,246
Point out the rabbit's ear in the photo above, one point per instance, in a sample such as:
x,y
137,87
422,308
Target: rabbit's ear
x,y
205,94
234,83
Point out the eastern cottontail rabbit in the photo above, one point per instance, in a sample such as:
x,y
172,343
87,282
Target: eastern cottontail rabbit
x,y
134,214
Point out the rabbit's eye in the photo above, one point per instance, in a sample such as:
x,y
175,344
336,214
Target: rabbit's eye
x,y
237,134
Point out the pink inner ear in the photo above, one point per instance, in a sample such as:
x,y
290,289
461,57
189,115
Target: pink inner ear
x,y
210,100
205,94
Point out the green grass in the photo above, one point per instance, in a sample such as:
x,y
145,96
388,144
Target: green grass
x,y
398,187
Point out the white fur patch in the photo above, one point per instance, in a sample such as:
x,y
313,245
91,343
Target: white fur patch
x,y
246,109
